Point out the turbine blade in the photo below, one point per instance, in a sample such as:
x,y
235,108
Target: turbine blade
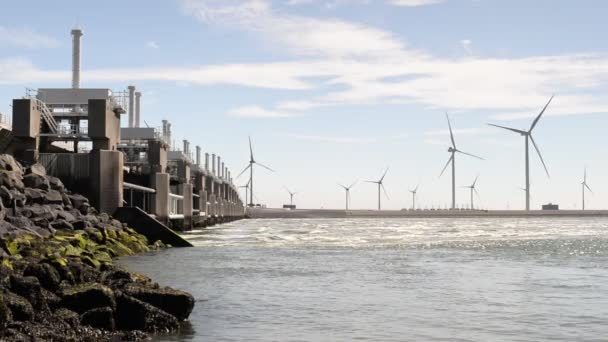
x,y
384,175
541,114
250,149
539,155
475,182
345,188
351,186
585,176
451,133
416,190
446,165
375,182
264,166
588,188
384,189
247,168
469,154
508,128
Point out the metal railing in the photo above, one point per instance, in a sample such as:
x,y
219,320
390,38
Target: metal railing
x,y
138,196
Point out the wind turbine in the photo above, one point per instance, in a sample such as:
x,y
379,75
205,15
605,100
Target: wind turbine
x,y
584,185
414,192
380,185
528,137
453,150
291,194
250,167
347,189
473,190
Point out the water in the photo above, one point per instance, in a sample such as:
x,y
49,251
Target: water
x,y
540,279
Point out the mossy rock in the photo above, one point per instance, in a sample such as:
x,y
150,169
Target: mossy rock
x,y
7,263
103,257
72,251
90,261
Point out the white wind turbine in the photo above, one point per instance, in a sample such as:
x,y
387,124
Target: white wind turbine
x,y
473,190
453,150
585,185
528,137
380,185
250,167
414,192
347,189
291,194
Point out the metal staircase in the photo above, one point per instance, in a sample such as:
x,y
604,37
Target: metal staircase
x,y
46,115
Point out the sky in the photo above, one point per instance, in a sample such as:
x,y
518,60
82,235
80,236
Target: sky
x,y
336,91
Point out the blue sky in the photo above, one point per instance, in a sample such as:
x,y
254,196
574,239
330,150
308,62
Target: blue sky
x,y
335,91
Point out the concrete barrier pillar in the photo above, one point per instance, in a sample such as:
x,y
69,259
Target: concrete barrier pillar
x,y
186,191
106,180
161,200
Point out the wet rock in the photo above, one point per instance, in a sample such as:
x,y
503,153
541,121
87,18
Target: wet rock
x,y
174,302
82,298
47,275
102,318
21,309
134,314
36,181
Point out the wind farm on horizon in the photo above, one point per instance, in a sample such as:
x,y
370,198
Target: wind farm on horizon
x,y
474,203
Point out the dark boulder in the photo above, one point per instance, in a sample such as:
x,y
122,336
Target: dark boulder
x,y
56,183
6,196
6,228
68,316
47,275
82,225
36,181
5,313
174,302
53,197
83,298
28,288
78,200
21,309
134,314
18,197
62,225
101,318
65,215
34,195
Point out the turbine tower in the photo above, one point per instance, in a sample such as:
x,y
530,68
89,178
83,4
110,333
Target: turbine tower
x,y
528,137
347,189
380,185
414,192
473,190
250,168
453,150
246,187
291,194
585,185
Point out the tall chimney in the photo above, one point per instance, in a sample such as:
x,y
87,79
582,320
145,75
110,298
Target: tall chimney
x,y
131,105
169,133
206,161
185,147
198,155
76,34
137,108
164,133
223,171
213,164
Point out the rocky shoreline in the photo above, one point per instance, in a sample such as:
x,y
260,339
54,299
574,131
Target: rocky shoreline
x,y
57,279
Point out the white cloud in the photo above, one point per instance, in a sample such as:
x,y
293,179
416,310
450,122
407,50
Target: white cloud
x,y
414,3
26,38
152,44
257,112
467,46
461,131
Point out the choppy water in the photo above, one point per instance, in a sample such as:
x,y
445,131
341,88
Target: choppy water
x,y
541,279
